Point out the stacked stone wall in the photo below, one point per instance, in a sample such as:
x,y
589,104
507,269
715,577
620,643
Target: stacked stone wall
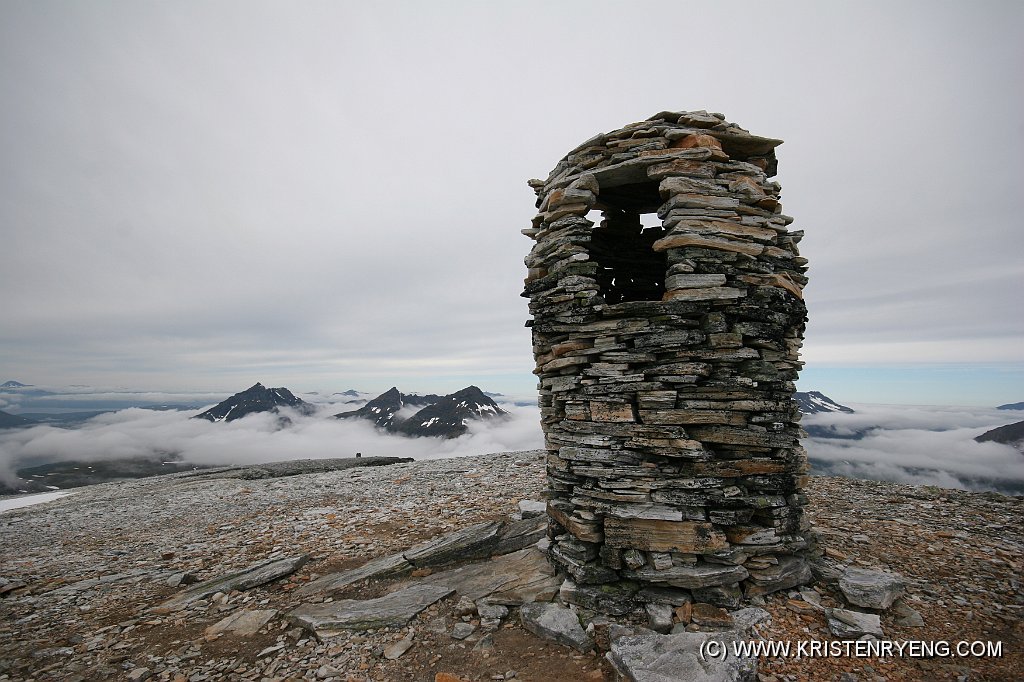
x,y
667,350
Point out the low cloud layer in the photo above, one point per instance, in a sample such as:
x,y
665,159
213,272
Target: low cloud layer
x,y
915,445
254,439
918,445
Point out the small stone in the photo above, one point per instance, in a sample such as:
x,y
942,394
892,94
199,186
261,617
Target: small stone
x,y
847,624
179,579
242,623
485,645
811,597
789,572
396,649
871,589
659,617
139,674
661,560
465,607
532,508
634,558
462,630
325,671
708,614
746,619
557,623
270,650
907,617
486,610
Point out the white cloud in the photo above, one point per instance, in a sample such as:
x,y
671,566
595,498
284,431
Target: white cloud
x,y
919,445
253,439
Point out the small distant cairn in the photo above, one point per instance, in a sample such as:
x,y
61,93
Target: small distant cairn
x,y
667,349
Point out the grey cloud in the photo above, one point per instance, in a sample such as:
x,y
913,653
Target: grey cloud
x,y
197,191
920,446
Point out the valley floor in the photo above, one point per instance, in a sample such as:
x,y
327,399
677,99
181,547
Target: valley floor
x,y
78,576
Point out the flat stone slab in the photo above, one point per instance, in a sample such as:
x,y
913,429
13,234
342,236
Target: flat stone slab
x,y
791,571
670,658
472,542
871,589
847,624
747,619
333,582
532,508
512,579
295,467
92,583
557,623
397,608
245,579
519,535
243,623
689,577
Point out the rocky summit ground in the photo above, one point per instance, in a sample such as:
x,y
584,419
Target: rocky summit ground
x,y
80,578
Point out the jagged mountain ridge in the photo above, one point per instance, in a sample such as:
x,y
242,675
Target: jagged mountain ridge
x,y
381,410
814,402
442,416
448,416
256,398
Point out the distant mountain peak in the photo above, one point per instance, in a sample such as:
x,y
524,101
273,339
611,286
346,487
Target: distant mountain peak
x,y
815,402
256,398
1011,434
446,416
449,416
381,410
14,384
8,420
1008,406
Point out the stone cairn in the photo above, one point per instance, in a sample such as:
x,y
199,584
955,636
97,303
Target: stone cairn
x,y
667,351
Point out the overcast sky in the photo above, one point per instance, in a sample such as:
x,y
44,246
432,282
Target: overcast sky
x,y
324,195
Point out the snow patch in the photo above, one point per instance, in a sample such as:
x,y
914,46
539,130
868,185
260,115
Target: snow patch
x,y
29,500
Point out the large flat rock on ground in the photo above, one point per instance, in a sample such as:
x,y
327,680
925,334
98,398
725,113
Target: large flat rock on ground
x,y
871,589
397,608
473,542
394,564
671,658
518,578
242,623
247,578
